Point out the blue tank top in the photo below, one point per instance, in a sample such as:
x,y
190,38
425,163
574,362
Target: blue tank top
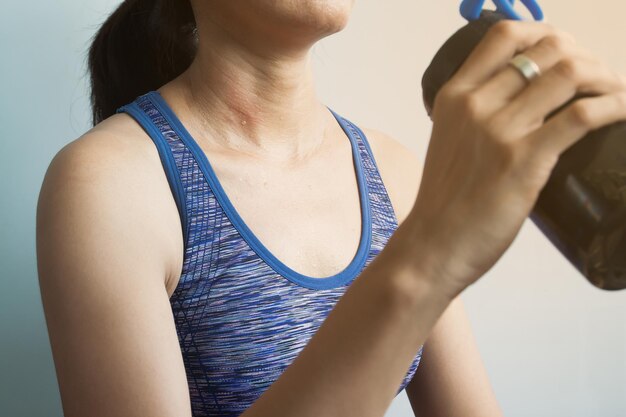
x,y
242,316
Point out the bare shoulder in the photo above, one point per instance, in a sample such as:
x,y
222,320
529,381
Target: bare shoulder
x,y
113,141
103,245
400,169
113,169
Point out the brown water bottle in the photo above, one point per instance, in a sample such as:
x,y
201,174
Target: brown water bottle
x,y
582,208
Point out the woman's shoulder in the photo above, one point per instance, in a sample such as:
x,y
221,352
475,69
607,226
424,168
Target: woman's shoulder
x,y
115,152
102,254
113,141
400,168
113,172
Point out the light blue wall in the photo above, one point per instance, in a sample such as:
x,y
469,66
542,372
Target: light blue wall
x,y
43,105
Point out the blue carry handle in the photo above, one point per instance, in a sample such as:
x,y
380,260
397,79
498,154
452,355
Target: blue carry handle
x,y
470,9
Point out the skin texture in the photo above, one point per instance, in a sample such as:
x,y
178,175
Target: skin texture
x,y
109,242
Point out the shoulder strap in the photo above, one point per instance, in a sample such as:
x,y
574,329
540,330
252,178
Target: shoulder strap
x,y
165,154
381,201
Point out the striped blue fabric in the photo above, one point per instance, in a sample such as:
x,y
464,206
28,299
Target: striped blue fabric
x,y
242,316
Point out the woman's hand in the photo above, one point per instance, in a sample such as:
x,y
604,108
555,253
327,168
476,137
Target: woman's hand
x,y
492,151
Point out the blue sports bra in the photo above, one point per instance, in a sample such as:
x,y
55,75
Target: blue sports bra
x,y
241,315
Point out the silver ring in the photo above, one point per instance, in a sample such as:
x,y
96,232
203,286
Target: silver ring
x,y
526,66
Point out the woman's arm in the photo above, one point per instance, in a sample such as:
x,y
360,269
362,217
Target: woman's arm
x,y
101,264
451,380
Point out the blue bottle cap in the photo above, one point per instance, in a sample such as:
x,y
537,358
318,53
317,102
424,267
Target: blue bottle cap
x,y
470,9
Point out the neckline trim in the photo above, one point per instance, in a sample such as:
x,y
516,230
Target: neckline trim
x,y
336,280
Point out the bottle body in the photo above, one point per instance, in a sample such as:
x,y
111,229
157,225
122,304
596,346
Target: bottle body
x,y
582,208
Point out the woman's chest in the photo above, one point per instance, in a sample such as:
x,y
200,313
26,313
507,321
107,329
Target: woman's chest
x,y
310,219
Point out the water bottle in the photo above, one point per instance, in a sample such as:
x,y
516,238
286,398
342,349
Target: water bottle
x,y
582,207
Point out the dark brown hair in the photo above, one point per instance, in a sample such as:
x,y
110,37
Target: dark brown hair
x,y
141,46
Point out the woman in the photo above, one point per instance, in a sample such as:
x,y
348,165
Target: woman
x,y
284,278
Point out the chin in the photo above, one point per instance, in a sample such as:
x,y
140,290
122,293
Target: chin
x,y
319,17
296,21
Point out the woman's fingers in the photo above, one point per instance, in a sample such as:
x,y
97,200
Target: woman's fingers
x,y
555,87
503,41
508,82
577,119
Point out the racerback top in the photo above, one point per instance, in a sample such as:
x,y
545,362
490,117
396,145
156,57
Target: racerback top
x,y
242,316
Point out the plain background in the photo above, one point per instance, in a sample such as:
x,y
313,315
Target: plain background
x,y
553,344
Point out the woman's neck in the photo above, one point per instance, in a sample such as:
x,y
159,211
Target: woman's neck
x,y
260,102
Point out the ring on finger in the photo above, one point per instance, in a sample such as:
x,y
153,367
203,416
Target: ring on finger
x,y
525,66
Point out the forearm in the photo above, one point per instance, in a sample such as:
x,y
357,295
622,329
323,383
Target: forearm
x,y
355,362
